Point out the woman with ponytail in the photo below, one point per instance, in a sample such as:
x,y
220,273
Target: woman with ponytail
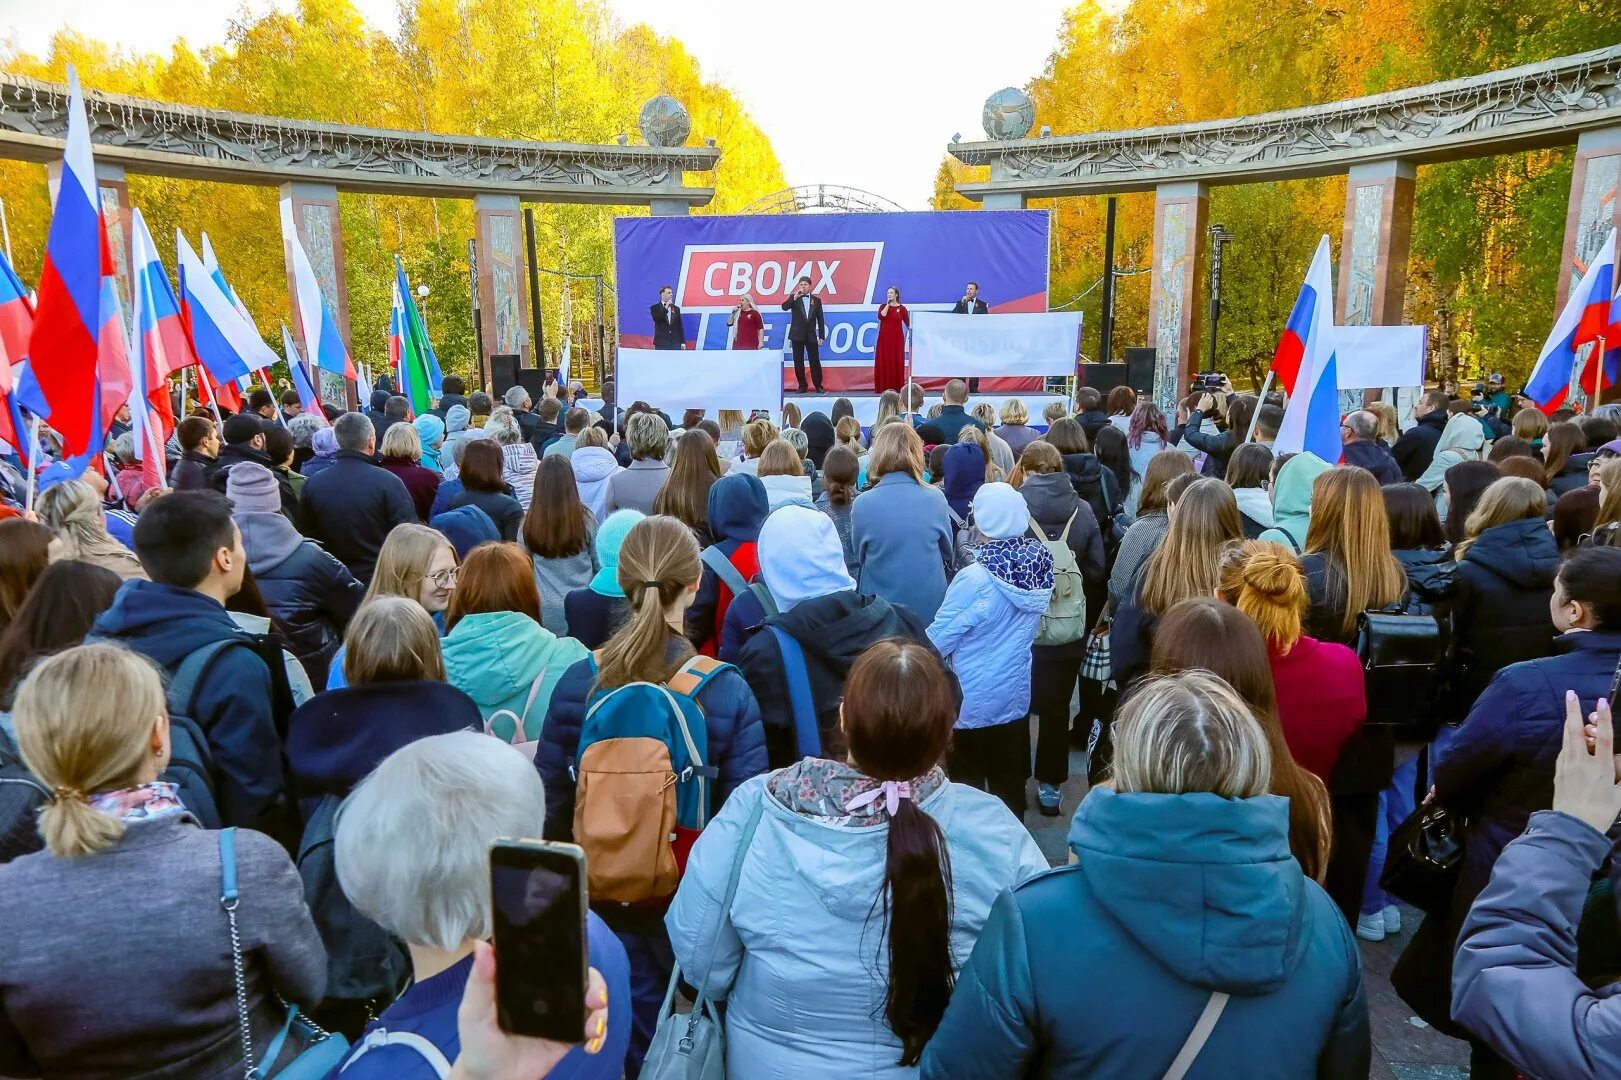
x,y
127,894
861,892
658,571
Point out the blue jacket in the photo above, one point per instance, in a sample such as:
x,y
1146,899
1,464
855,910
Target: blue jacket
x,y
737,508
166,623
1100,969
951,421
449,491
800,959
985,628
903,541
427,1010
736,740
1375,458
1499,769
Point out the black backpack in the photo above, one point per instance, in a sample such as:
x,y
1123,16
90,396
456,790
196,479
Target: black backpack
x,y
22,797
1403,649
191,763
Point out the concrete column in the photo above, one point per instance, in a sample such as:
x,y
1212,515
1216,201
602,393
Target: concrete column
x,y
1180,214
1595,209
113,189
314,212
1373,251
502,301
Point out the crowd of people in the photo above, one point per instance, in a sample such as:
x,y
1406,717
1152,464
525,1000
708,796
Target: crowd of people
x,y
792,688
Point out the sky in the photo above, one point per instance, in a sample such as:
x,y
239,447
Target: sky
x,y
850,92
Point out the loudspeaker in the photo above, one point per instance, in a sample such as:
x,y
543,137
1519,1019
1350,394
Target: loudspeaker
x,y
1103,377
534,381
503,373
1140,370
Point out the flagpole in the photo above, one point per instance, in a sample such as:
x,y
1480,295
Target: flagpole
x,y
1598,374
213,393
33,463
1255,417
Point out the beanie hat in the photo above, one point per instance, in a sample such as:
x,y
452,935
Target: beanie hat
x,y
1000,512
801,556
252,489
610,537
430,430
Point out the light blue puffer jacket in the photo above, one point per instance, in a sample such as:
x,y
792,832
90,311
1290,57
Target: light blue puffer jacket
x,y
801,966
498,659
984,630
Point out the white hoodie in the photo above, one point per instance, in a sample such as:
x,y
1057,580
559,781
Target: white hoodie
x,y
783,491
1256,504
593,465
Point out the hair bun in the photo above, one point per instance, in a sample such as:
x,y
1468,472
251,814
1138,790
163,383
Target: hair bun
x,y
1275,574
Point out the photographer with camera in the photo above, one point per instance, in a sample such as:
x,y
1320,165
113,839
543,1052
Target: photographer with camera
x,y
1231,413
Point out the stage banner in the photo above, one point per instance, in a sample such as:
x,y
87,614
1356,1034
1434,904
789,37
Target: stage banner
x,y
851,260
951,346
711,379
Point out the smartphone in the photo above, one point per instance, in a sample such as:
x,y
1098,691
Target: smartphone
x,y
538,897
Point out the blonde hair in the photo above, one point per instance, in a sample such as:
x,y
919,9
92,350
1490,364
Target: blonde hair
x,y
889,408
985,413
1266,582
1530,424
1389,429
391,639
791,416
1609,485
403,562
1015,411
402,441
729,419
780,459
847,432
757,436
1056,410
1187,562
1506,500
895,448
1190,732
78,738
73,509
647,435
657,563
1350,527
592,436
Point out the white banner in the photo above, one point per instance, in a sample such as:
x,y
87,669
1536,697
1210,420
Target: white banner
x,y
1378,356
1035,343
708,379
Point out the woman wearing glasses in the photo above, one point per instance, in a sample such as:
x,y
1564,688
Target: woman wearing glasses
x,y
418,564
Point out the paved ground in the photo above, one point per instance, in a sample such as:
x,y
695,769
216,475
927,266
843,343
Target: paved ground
x,y
1404,1047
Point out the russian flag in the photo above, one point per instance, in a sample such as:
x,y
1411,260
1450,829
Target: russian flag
x,y
222,339
161,346
307,397
16,324
1586,317
320,331
1311,422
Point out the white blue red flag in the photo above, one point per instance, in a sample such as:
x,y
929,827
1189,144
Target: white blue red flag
x,y
16,324
160,347
320,330
226,343
1311,422
1587,315
300,373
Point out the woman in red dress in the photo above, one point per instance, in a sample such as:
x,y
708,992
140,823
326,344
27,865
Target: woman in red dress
x,y
889,358
748,322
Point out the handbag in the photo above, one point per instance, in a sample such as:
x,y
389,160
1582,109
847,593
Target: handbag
x,y
1403,652
1424,859
322,1050
693,1047
1098,662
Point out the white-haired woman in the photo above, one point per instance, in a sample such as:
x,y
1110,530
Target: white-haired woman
x,y
518,460
1185,893
115,958
413,855
73,509
635,488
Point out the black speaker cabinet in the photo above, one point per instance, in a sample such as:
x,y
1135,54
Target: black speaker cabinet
x,y
534,381
503,373
1140,370
1103,377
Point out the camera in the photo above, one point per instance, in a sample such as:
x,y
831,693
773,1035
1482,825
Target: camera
x,y
1209,382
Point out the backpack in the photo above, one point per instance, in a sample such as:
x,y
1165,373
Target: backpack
x,y
520,735
22,797
732,578
378,1037
1403,650
364,963
191,762
807,732
643,782
1064,621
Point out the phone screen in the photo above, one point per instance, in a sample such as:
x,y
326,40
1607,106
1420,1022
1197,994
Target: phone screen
x,y
537,894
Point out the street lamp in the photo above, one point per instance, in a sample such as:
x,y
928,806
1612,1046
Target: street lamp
x,y
422,294
1219,238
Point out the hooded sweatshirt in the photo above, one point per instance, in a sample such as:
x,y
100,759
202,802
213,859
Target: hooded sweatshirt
x,y
1463,439
1174,896
1291,500
987,624
737,509
508,664
964,475
783,491
819,437
431,433
1256,506
593,466
458,428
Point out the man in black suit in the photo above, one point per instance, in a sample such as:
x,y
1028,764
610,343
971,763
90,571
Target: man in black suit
x,y
806,332
971,304
667,330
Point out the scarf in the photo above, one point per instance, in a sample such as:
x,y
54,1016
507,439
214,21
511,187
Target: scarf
x,y
1021,561
843,795
143,802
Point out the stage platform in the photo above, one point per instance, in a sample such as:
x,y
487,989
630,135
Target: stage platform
x,y
866,405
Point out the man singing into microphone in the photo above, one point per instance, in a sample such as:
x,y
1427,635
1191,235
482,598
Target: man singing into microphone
x,y
971,304
667,330
806,331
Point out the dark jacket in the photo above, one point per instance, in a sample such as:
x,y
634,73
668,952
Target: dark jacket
x,y
951,421
422,484
737,508
1097,485
1376,459
1174,896
446,402
1499,769
449,491
193,472
312,596
543,434
1051,499
736,739
819,437
351,507
1092,421
1217,448
1500,611
1416,448
530,427
592,617
1325,617
231,454
1571,477
503,509
833,631
232,705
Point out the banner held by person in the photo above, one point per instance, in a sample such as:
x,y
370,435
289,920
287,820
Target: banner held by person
x,y
1040,344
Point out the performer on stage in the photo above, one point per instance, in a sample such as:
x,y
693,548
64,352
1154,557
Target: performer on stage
x,y
667,330
971,304
889,357
750,327
806,332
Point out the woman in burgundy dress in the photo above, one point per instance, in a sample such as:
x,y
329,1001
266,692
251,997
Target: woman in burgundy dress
x,y
749,325
889,358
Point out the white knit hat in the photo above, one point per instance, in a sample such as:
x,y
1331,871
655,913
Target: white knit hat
x,y
1000,512
801,556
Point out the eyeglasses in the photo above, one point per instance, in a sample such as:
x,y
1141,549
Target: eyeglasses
x,y
445,579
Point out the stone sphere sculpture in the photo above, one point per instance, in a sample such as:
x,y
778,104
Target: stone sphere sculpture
x,y
664,122
1008,114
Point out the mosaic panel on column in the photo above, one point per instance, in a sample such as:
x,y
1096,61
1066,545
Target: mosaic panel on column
x,y
1173,267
